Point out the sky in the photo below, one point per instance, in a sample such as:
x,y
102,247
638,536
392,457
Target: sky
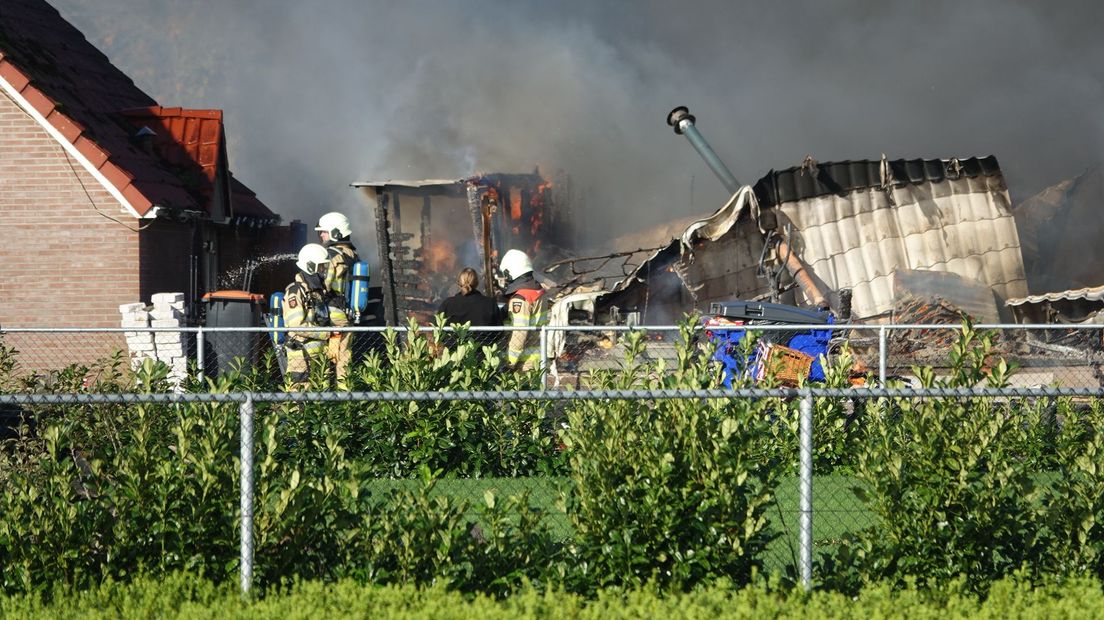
x,y
319,94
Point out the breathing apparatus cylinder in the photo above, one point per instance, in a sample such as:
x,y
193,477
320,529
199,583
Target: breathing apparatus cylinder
x,y
276,312
356,292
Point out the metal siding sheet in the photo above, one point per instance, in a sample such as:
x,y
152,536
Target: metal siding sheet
x,y
961,226
1095,293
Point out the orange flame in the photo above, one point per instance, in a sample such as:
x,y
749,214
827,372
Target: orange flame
x,y
439,256
515,207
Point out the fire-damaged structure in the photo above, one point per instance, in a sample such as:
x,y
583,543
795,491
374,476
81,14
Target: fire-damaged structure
x,y
904,241
428,230
835,235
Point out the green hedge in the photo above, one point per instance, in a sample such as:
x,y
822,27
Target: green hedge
x,y
185,596
675,493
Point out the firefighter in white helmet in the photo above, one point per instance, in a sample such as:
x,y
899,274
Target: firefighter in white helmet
x,y
527,306
305,306
334,231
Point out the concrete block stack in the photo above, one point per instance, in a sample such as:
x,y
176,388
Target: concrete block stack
x,y
140,343
168,311
168,346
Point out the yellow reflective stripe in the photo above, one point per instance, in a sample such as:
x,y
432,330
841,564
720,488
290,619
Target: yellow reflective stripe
x,y
335,282
530,349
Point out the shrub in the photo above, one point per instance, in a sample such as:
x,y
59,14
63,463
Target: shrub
x,y
1074,500
476,438
674,491
160,495
185,595
948,483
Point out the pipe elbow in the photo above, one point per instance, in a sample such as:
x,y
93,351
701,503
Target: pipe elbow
x,y
676,117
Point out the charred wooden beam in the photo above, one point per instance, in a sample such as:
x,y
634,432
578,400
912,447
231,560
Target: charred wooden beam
x,y
383,240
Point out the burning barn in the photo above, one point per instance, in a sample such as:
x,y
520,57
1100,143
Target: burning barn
x,y
805,234
858,237
430,229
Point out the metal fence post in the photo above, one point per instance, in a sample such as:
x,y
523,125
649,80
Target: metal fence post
x,y
544,356
806,451
246,415
882,354
200,354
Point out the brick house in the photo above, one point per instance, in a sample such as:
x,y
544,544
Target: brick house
x,y
105,196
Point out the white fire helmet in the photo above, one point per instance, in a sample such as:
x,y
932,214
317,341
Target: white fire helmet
x,y
515,264
336,224
311,257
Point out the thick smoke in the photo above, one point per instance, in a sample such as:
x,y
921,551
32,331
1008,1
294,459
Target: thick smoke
x,y
320,94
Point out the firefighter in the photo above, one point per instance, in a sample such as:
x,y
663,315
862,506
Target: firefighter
x,y
305,306
334,231
527,307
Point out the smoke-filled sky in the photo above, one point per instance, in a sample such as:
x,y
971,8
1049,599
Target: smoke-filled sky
x,y
322,93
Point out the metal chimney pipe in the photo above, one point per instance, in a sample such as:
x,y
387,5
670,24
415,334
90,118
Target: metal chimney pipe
x,y
683,122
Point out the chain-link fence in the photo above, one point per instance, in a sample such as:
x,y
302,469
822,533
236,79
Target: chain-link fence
x,y
501,442
1043,355
816,504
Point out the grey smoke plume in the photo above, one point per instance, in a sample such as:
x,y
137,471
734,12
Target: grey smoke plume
x,y
320,94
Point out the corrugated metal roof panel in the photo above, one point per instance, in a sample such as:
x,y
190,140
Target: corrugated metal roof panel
x,y
930,218
1094,293
840,178
961,226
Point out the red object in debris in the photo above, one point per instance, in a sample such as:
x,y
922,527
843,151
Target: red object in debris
x,y
718,321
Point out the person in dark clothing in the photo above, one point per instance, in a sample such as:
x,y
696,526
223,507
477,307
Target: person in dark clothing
x,y
471,306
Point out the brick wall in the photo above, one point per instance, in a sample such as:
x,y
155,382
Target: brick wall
x,y
67,265
64,264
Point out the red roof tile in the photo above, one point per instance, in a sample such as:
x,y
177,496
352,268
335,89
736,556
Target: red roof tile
x,y
82,95
193,142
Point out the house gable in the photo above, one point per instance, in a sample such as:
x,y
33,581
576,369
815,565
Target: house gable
x,y
69,246
74,92
69,136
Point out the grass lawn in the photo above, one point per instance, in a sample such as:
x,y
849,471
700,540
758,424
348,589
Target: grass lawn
x,y
836,510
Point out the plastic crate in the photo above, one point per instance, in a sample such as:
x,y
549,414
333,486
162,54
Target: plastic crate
x,y
788,366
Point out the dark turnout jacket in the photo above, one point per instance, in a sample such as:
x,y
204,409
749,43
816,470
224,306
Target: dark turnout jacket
x,y
475,308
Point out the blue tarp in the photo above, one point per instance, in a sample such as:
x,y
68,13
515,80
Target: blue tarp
x,y
813,342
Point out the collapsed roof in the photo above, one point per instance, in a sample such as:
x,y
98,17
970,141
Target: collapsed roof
x,y
852,224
